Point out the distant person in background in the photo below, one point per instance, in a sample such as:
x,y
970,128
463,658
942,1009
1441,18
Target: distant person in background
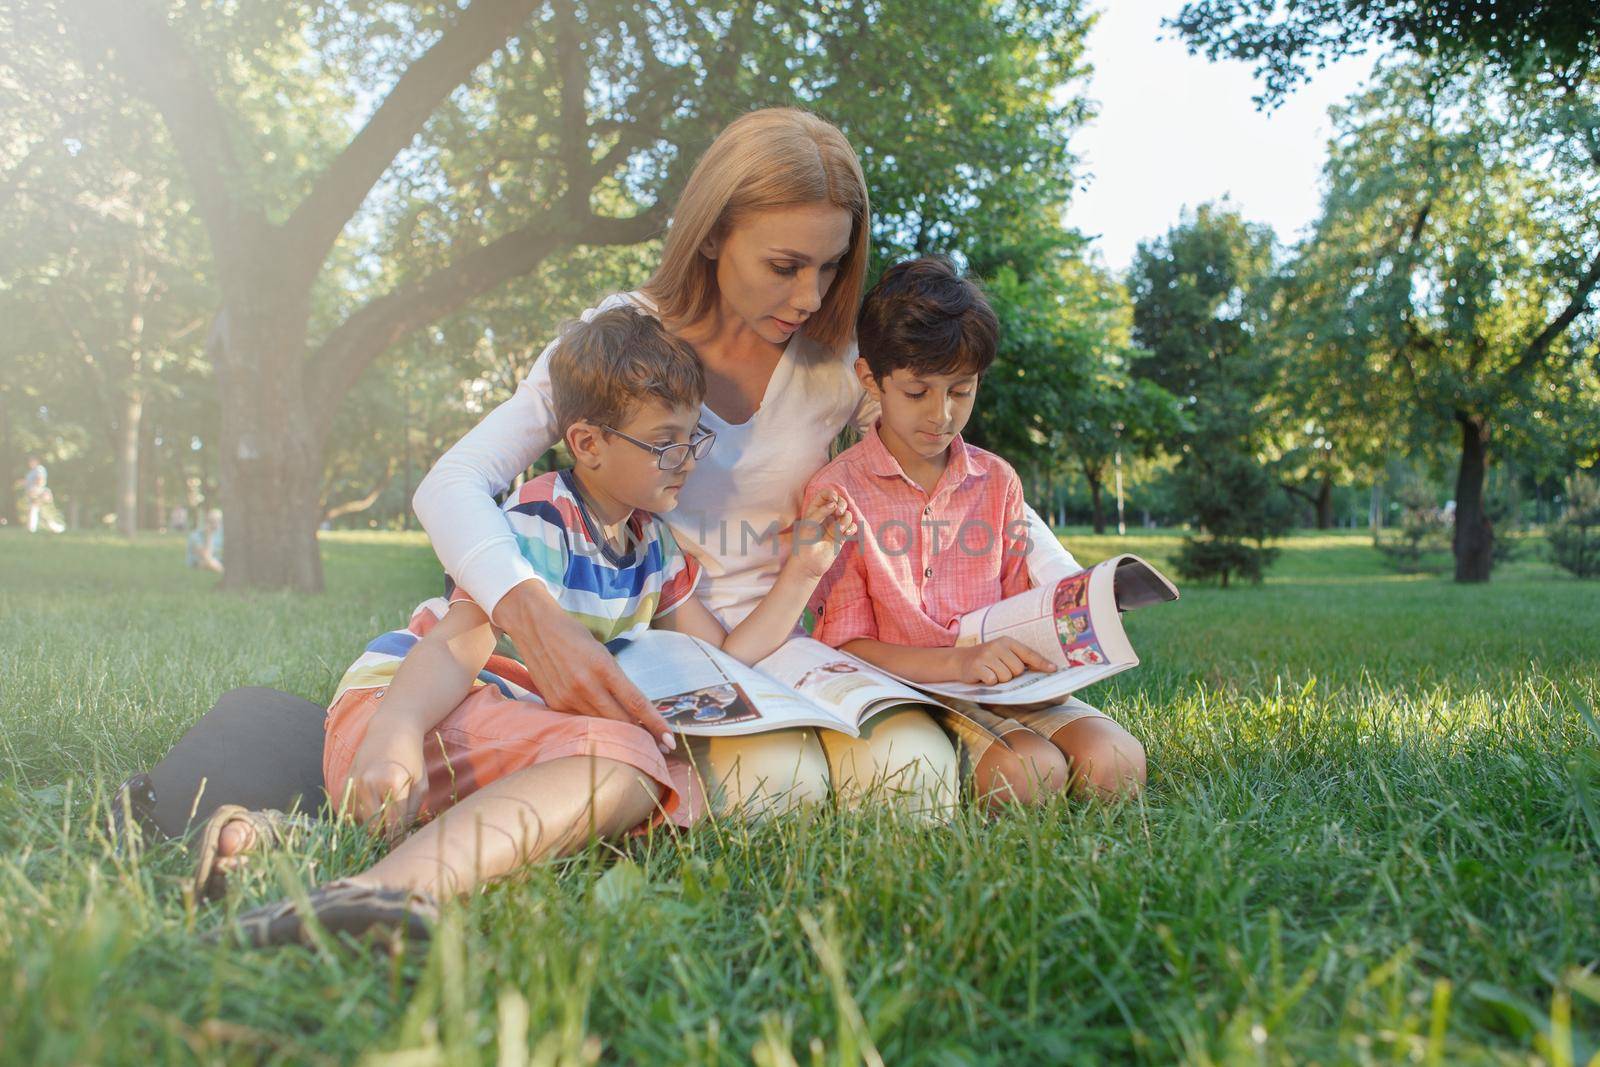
x,y
205,543
36,490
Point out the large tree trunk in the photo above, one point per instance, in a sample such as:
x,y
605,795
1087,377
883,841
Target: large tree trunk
x,y
271,456
1097,505
1474,536
128,462
1325,503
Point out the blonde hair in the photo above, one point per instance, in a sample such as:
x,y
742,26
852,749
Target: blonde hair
x,y
772,158
603,369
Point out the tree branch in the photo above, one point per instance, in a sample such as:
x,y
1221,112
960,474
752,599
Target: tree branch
x,y
350,348
573,74
1295,490
340,190
350,507
1540,345
149,54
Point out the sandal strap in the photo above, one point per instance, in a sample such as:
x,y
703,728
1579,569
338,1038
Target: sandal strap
x,y
342,907
270,826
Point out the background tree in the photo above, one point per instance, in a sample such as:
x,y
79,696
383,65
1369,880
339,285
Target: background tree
x,y
99,263
488,140
1575,537
1458,247
1061,393
1202,299
1547,39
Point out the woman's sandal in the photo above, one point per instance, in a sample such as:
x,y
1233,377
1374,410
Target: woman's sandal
x,y
360,911
271,829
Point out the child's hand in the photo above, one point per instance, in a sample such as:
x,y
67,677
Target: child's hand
x,y
997,661
388,778
819,533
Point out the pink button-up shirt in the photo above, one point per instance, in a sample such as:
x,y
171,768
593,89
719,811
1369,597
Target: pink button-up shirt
x,y
920,560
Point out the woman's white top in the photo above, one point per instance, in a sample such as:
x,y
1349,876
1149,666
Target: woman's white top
x,y
734,511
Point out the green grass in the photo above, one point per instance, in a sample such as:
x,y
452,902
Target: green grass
x,y
1371,834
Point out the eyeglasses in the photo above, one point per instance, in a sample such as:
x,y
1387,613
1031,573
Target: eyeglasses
x,y
671,457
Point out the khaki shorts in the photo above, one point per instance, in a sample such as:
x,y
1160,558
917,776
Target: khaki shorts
x,y
975,727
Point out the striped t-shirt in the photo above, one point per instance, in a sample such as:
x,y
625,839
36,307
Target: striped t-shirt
x,y
615,595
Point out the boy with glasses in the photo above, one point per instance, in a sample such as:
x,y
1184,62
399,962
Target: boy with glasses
x,y
441,709
627,398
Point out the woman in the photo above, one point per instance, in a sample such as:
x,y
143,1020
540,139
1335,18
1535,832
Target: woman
x,y
761,273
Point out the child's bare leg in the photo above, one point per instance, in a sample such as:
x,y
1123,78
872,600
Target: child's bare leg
x,y
1106,760
1020,767
550,809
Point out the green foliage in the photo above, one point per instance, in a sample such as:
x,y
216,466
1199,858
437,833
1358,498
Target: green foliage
x,y
1063,392
101,280
585,108
1574,539
1527,38
1235,505
1447,292
1424,533
1345,765
1202,296
1438,254
1222,559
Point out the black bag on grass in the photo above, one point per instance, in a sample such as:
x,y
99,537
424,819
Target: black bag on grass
x,y
256,747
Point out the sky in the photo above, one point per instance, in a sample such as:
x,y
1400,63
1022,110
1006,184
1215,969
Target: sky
x,y
1177,130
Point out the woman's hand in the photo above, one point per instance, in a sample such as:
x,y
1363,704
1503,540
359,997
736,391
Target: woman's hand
x,y
389,777
996,661
571,670
821,531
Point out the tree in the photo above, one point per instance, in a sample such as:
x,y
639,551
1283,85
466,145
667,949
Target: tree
x,y
1575,537
98,258
1061,392
1202,299
1519,37
1453,270
501,135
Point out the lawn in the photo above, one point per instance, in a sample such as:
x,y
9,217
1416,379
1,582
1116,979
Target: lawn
x,y
1371,834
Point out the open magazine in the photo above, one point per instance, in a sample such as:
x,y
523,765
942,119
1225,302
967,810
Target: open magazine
x,y
1075,623
700,689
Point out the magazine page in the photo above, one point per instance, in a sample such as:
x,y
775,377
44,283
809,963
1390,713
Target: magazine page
x,y
1030,617
702,690
846,685
1076,624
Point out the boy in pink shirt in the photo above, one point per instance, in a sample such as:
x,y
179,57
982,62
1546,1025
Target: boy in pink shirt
x,y
942,533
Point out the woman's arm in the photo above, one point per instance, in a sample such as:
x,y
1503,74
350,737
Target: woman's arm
x,y
455,501
1048,559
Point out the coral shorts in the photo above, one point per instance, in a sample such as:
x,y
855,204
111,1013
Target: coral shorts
x,y
489,735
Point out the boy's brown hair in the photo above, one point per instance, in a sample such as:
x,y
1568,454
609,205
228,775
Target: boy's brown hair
x,y
603,368
924,316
